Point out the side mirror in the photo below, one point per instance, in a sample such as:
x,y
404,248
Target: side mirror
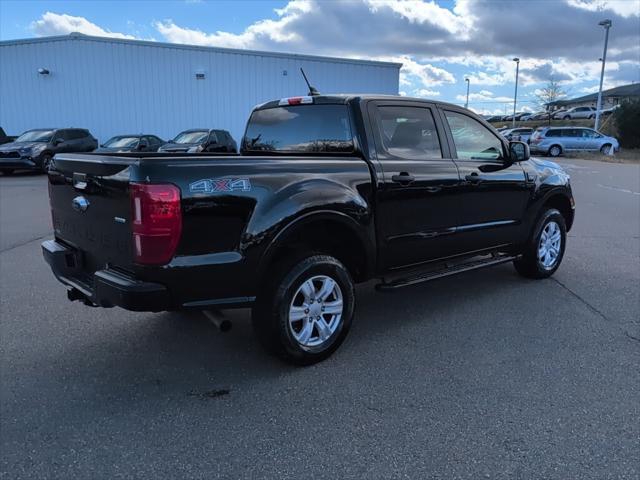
x,y
58,141
142,146
519,151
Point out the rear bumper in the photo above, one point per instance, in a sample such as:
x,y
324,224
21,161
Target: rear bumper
x,y
104,288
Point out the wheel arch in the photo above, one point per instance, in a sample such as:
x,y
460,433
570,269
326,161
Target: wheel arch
x,y
329,232
561,202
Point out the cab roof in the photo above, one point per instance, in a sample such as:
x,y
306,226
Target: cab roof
x,y
344,98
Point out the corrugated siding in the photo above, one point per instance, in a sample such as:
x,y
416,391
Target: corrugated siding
x,y
115,87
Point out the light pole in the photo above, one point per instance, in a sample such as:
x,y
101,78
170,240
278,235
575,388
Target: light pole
x,y
466,104
607,25
515,95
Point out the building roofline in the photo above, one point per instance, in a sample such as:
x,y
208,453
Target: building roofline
x,y
619,91
80,36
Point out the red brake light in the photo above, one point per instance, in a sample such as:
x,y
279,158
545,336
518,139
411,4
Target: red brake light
x,y
295,100
156,222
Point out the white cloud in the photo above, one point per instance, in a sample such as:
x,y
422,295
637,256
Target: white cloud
x,y
425,12
264,31
484,96
426,93
61,24
625,8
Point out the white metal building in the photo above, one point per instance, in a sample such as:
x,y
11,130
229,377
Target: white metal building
x,y
114,86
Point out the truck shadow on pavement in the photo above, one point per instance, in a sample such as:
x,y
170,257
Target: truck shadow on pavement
x,y
183,354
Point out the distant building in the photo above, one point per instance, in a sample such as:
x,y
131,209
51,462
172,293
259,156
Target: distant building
x,y
113,86
610,98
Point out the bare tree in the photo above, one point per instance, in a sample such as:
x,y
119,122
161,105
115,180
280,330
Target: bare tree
x,y
550,93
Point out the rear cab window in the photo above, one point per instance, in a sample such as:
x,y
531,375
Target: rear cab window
x,y
314,128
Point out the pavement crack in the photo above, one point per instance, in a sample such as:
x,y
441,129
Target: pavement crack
x,y
210,393
631,336
595,310
588,305
26,242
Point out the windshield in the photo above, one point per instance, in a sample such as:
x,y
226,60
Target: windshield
x,y
304,128
35,136
191,137
122,142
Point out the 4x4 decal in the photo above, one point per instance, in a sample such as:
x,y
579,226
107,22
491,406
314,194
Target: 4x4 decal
x,y
210,185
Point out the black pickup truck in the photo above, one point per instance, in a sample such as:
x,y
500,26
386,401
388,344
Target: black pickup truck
x,y
327,191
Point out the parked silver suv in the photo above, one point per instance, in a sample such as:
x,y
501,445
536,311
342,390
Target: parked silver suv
x,y
576,112
556,140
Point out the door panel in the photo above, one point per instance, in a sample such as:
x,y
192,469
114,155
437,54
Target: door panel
x,y
416,203
493,192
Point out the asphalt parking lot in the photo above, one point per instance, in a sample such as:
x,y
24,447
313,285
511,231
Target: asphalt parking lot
x,y
483,375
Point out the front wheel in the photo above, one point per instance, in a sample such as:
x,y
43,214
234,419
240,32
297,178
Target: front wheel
x,y
46,162
304,315
605,149
545,249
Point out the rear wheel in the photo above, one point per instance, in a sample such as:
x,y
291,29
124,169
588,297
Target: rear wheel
x,y
304,315
566,117
555,150
591,117
545,249
605,148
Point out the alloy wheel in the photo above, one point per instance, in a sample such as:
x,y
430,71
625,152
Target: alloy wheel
x,y
549,245
316,311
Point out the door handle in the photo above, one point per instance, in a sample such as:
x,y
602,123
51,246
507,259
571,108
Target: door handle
x,y
403,178
473,177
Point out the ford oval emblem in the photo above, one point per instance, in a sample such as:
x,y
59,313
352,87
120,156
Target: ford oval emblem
x,y
80,204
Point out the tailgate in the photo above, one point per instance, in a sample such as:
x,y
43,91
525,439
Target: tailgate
x,y
91,209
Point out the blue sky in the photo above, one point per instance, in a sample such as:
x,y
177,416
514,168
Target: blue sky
x,y
440,43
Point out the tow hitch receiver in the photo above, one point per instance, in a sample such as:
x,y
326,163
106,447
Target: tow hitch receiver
x,y
73,294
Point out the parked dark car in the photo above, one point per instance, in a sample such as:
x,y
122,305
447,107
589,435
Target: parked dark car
x,y
329,191
200,140
131,143
4,138
34,149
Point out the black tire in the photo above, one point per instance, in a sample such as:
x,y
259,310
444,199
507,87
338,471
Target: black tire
x,y
566,117
591,117
270,315
7,172
604,149
554,151
45,162
529,264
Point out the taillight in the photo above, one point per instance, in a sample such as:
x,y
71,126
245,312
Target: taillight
x,y
156,222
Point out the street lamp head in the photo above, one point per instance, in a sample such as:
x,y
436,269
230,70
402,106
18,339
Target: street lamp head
x,y
516,59
467,80
605,23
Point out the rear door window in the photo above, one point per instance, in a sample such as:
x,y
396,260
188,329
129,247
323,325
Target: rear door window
x,y
300,128
407,133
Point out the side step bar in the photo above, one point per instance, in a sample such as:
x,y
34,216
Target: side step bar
x,y
444,272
